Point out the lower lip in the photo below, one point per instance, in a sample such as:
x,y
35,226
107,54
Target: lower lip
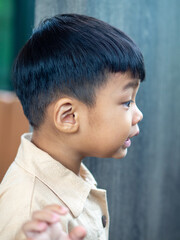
x,y
127,143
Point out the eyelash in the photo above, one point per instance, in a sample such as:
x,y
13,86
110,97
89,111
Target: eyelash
x,y
128,103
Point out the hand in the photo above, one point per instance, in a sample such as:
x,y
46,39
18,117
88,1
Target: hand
x,y
45,225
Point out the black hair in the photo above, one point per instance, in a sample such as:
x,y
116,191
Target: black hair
x,y
71,54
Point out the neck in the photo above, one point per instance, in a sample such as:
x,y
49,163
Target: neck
x,y
58,150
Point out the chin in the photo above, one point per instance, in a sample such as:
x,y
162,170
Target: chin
x,y
120,154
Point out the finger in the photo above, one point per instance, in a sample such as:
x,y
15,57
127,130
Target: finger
x,y
57,208
34,226
78,233
46,216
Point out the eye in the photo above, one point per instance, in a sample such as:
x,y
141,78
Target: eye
x,y
128,103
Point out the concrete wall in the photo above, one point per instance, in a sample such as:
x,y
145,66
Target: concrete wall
x,y
144,188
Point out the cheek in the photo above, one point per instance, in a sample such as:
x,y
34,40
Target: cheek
x,y
125,126
108,134
114,131
111,126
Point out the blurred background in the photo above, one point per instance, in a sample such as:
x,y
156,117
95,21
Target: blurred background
x,y
16,23
144,188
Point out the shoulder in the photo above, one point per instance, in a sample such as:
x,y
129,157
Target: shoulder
x,y
15,199
16,183
15,191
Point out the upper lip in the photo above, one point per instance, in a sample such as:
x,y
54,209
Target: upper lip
x,y
137,133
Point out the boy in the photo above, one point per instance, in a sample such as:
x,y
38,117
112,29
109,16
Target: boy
x,y
77,79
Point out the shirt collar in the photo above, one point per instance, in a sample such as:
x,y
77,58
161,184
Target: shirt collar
x,y
73,190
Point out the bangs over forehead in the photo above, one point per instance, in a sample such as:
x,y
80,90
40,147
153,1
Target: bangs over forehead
x,y
91,45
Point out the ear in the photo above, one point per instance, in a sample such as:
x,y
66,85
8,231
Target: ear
x,y
66,119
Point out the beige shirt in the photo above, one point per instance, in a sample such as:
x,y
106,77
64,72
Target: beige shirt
x,y
35,180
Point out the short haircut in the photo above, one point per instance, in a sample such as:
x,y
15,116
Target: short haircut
x,y
71,55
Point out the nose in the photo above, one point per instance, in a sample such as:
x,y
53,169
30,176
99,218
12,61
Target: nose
x,y
137,116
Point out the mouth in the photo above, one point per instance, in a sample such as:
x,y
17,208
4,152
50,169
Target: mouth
x,y
127,143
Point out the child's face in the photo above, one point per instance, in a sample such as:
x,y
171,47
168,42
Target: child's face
x,y
114,119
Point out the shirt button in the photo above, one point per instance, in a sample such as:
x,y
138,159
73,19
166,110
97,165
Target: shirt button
x,y
104,220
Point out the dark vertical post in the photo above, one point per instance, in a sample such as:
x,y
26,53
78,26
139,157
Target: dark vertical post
x,y
23,22
143,188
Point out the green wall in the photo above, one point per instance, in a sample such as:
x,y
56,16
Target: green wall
x,y
16,23
6,42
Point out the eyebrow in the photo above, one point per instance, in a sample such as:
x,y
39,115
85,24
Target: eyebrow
x,y
133,84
